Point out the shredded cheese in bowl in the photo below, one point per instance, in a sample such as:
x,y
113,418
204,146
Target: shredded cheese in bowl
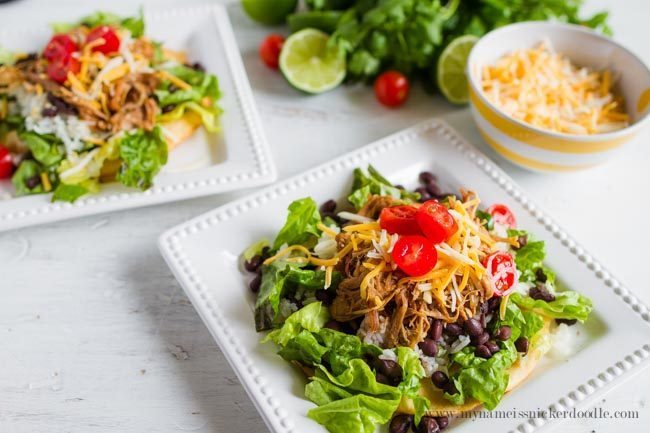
x,y
545,89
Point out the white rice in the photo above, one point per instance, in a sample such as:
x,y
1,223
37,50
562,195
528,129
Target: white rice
x,y
459,344
563,342
429,363
378,337
388,355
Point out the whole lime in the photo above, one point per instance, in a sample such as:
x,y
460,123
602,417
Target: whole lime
x,y
269,12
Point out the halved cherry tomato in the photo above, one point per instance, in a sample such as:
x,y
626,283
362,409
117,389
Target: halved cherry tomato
x,y
6,164
392,88
415,255
400,220
111,40
502,272
501,214
59,47
57,70
435,221
270,50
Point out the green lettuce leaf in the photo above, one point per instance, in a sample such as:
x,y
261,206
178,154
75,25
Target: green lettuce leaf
x,y
371,182
143,154
6,57
201,98
342,348
100,18
567,305
27,170
46,149
255,249
522,323
305,348
412,372
300,227
68,193
311,318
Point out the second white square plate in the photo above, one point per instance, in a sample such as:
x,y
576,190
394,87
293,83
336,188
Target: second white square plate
x,y
237,157
203,254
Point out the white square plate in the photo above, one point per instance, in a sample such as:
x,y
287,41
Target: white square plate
x,y
238,157
203,254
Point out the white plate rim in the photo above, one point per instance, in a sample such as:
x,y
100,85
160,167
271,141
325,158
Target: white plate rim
x,y
276,417
261,168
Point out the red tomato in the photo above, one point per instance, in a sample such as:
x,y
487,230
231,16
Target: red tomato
x,y
400,220
415,255
58,70
270,50
435,221
6,164
392,88
501,214
59,47
111,40
502,272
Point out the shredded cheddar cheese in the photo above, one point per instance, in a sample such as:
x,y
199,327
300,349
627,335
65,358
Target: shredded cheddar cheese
x,y
543,88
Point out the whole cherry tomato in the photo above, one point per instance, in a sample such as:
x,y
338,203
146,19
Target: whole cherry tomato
x,y
501,214
6,164
435,221
59,47
400,220
270,50
415,255
502,272
111,40
392,88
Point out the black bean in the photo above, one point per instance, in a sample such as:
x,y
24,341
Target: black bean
x,y
333,324
453,330
522,344
168,108
443,422
439,379
483,319
540,275
568,322
434,190
424,194
255,283
33,182
382,378
541,292
522,241
492,346
172,88
400,423
266,252
28,58
325,296
435,331
426,177
390,369
62,107
494,303
428,424
429,347
451,388
400,187
482,339
49,112
253,264
328,207
473,327
503,333
483,352
198,67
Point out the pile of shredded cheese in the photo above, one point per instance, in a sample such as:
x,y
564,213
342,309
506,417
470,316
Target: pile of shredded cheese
x,y
543,88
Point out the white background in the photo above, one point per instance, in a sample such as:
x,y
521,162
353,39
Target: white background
x,y
97,336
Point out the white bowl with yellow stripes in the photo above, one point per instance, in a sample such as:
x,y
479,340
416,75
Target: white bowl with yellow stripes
x,y
542,150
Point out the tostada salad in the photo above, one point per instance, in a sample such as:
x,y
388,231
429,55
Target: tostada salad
x,y
407,306
101,102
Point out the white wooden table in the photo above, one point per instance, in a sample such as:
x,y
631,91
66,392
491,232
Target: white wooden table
x,y
97,336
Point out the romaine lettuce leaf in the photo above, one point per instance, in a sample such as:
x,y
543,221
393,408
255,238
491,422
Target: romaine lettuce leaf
x,y
68,193
46,149
143,154
342,348
255,249
371,182
311,318
304,348
529,258
27,170
300,227
412,372
567,305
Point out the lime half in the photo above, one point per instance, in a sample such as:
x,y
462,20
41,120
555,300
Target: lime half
x,y
452,80
269,12
309,64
